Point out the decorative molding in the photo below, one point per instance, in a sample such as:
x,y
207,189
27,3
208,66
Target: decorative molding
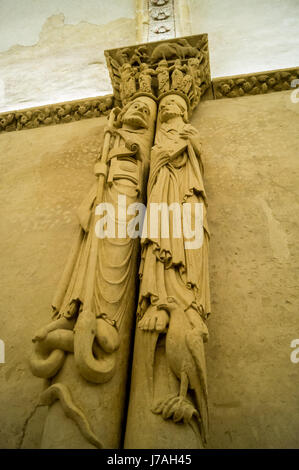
x,y
222,87
161,19
57,113
254,84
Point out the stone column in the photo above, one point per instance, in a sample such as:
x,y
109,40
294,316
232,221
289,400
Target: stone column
x,y
168,405
85,350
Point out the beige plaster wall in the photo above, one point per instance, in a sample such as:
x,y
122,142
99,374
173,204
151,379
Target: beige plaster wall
x,y
251,149
248,36
53,51
251,171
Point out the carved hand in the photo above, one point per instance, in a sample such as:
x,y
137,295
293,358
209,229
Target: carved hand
x,y
154,320
184,135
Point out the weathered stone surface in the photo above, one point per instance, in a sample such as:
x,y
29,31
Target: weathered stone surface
x,y
169,394
66,63
225,87
157,68
85,349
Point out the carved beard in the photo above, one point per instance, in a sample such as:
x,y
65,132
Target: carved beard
x,y
166,115
136,120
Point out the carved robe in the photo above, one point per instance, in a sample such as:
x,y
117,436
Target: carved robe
x,y
167,268
90,384
116,256
168,399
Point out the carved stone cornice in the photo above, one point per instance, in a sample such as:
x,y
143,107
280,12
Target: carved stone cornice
x,y
255,83
177,66
55,113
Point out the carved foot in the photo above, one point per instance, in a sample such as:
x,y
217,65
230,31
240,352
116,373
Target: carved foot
x,y
177,408
154,320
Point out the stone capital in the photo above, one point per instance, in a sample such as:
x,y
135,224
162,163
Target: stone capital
x,y
175,66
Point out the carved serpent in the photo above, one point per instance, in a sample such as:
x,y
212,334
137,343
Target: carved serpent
x,y
94,343
88,327
49,352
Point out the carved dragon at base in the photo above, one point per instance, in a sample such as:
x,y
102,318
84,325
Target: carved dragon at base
x,y
94,342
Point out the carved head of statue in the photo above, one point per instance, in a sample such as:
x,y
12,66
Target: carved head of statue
x,y
193,62
163,64
172,106
135,114
143,66
126,68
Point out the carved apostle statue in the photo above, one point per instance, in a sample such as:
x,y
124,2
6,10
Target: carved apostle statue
x,y
174,299
94,307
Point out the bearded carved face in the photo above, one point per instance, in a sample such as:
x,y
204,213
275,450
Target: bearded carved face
x,y
137,115
171,108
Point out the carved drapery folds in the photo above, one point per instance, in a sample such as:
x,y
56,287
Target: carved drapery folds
x,y
168,397
84,351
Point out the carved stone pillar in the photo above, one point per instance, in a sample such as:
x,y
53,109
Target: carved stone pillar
x,y
85,351
168,405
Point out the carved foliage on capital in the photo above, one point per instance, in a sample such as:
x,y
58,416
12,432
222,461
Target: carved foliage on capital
x,y
176,66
